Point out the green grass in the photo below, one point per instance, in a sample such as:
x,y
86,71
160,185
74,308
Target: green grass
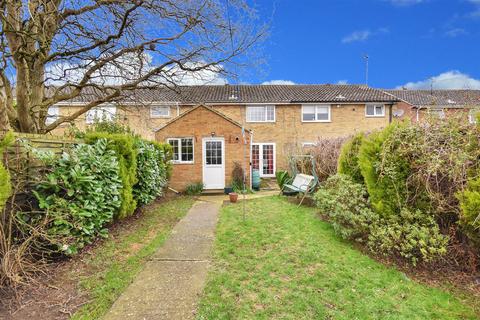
x,y
112,266
285,263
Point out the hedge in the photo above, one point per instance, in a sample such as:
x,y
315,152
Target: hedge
x,y
5,184
153,170
348,159
124,147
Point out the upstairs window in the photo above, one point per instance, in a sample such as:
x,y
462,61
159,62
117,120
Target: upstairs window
x,y
182,149
160,111
101,114
53,114
316,113
375,110
260,113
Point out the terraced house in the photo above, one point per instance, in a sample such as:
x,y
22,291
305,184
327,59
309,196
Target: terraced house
x,y
208,126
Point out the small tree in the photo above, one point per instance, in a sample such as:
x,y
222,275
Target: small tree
x,y
53,51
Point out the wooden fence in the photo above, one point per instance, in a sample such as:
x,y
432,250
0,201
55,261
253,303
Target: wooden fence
x,y
24,168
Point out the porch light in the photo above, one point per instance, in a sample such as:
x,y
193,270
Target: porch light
x,y
212,134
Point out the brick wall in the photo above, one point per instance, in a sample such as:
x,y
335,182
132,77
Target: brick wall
x,y
199,124
287,132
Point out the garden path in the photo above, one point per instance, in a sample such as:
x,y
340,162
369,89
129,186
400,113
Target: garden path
x,y
171,282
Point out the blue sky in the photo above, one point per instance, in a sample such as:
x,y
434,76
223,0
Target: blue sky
x,y
408,41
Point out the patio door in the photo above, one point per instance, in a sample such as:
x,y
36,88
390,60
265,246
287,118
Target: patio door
x,y
263,158
213,163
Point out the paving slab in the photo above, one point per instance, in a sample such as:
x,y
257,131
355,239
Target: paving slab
x,y
170,284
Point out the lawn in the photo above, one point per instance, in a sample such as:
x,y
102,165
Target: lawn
x,y
283,262
112,266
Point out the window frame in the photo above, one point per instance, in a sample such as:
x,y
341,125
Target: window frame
x,y
265,106
97,108
49,119
472,116
260,158
152,116
180,161
375,115
317,105
437,112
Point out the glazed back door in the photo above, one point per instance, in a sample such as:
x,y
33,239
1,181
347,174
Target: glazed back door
x,y
213,163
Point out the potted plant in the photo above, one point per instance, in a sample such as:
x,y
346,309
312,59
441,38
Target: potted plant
x,y
233,197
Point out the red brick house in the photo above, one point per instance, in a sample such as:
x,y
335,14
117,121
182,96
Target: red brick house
x,y
417,104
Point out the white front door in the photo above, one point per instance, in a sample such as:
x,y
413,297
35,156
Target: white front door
x,y
214,163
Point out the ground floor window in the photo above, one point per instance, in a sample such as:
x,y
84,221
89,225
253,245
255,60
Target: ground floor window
x,y
263,158
182,149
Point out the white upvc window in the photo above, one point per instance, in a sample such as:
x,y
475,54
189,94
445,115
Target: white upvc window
x,y
308,144
473,115
101,114
259,113
182,149
316,113
437,113
159,111
53,114
375,110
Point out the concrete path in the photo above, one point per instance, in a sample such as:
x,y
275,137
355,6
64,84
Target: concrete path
x,y
170,284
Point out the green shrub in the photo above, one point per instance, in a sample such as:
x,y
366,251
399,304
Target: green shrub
x,y
345,203
80,195
124,148
411,234
384,171
194,188
348,159
282,178
152,167
470,209
5,184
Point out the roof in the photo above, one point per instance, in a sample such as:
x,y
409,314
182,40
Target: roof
x,y
206,107
252,94
443,98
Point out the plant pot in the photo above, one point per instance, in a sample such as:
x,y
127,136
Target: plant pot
x,y
228,190
233,197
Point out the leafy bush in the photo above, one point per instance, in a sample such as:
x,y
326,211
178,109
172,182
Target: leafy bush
x,y
81,195
384,178
348,159
194,188
282,178
5,184
470,209
126,153
411,234
345,202
152,171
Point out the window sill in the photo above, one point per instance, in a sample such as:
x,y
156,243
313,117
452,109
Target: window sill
x,y
159,117
182,162
316,121
382,116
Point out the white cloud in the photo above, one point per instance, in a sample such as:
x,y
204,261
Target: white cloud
x,y
455,32
363,35
342,82
476,12
287,82
131,67
448,80
404,3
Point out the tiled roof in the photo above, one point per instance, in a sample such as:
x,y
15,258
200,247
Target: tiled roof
x,y
255,94
444,98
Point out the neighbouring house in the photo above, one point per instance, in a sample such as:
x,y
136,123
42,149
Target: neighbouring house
x,y
276,120
417,104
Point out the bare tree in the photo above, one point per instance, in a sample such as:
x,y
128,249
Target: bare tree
x,y
56,50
